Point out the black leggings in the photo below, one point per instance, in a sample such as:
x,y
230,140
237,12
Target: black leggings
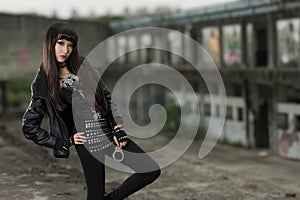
x,y
146,171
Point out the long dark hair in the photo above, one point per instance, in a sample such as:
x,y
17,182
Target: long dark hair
x,y
56,32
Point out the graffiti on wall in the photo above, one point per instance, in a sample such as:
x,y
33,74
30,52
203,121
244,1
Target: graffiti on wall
x,y
288,123
232,45
23,57
18,58
289,144
288,40
211,42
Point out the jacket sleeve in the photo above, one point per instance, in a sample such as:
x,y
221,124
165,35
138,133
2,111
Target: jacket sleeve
x,y
112,106
31,124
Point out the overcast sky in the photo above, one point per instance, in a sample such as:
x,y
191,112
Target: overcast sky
x,y
63,8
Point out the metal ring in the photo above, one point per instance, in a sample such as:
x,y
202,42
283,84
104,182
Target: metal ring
x,y
120,151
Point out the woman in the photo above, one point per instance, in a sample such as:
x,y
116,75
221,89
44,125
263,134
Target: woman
x,y
54,88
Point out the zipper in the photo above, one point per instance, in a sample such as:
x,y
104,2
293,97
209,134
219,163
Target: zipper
x,y
56,115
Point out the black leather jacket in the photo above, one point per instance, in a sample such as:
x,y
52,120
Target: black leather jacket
x,y
41,106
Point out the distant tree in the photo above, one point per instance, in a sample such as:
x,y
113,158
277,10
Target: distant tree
x,y
106,18
54,14
74,13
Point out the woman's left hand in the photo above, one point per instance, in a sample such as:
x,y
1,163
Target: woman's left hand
x,y
119,144
79,138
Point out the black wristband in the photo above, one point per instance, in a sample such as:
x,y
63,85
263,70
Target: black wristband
x,y
120,135
59,143
63,144
71,140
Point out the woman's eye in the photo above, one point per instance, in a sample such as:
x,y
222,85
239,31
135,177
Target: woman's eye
x,y
60,43
70,45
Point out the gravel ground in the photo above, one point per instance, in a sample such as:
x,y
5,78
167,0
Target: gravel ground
x,y
27,171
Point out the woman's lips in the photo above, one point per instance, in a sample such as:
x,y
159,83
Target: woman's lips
x,y
63,57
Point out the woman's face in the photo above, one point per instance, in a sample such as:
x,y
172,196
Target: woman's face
x,y
63,49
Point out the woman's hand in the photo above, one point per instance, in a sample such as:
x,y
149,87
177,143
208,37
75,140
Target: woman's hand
x,y
79,138
123,141
120,144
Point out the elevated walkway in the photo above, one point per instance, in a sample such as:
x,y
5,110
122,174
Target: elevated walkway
x,y
238,9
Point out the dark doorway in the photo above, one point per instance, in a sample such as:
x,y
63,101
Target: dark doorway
x,y
261,53
261,130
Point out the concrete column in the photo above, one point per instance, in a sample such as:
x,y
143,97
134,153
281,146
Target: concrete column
x,y
164,41
140,101
132,41
246,97
199,58
183,46
222,63
143,51
251,37
168,54
201,101
121,45
175,46
139,44
145,40
271,29
114,53
127,47
273,131
193,50
114,48
3,97
299,46
253,103
149,54
152,95
188,46
157,54
244,41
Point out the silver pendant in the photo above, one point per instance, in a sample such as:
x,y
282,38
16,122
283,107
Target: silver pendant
x,y
118,151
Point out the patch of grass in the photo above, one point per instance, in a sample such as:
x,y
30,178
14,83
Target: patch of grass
x,y
172,122
17,92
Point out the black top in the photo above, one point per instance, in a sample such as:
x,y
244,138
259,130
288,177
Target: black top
x,y
71,91
67,114
71,85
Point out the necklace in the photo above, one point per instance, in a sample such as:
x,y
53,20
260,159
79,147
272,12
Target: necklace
x,y
62,65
